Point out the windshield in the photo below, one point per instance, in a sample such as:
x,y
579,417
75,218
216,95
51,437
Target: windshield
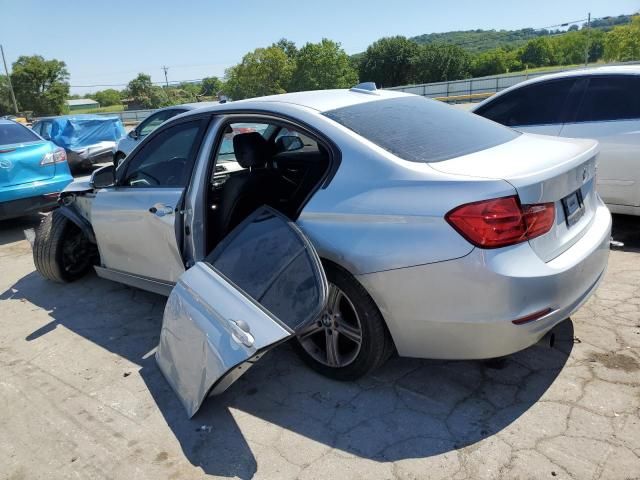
x,y
421,130
11,133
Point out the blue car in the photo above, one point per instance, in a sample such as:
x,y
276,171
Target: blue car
x,y
32,171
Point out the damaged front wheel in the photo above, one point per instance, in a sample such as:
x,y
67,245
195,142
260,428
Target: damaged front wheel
x,y
61,251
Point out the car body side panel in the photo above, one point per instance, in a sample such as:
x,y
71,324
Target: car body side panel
x,y
619,161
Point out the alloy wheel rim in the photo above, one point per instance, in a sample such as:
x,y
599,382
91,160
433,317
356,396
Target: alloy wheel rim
x,y
75,252
335,339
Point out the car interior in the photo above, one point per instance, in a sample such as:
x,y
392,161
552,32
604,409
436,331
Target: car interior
x,y
261,164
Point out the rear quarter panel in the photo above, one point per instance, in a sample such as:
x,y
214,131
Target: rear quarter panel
x,y
380,212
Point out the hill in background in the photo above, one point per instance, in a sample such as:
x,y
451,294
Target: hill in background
x,y
476,41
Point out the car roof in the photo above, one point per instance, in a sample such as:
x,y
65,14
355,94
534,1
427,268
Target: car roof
x,y
320,100
581,72
189,106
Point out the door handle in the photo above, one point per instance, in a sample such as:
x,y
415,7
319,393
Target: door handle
x,y
241,333
160,210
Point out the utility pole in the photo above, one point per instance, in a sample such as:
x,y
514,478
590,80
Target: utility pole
x,y
13,95
166,80
586,53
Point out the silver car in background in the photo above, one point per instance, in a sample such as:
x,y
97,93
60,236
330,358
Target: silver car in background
x,y
600,103
359,221
126,144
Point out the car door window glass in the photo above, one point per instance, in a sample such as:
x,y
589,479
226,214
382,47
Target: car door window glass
x,y
272,265
154,121
615,97
536,104
167,160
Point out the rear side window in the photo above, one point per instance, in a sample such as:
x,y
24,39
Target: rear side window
x,y
11,133
421,130
536,104
615,97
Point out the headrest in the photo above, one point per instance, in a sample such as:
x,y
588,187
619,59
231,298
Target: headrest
x,y
251,149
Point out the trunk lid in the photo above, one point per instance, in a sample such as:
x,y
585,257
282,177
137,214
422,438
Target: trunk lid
x,y
542,169
20,163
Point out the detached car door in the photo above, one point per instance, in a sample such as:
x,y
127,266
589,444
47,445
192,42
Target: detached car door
x,y
261,286
137,222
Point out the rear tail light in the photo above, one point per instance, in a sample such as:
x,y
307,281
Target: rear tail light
x,y
502,221
57,156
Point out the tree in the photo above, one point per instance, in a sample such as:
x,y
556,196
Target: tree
x,y
623,43
389,62
145,93
40,85
265,71
440,62
107,97
6,104
538,52
492,62
210,86
321,66
287,46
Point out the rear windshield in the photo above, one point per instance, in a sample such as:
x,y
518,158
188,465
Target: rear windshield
x,y
421,130
11,133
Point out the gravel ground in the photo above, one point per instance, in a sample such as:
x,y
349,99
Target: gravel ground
x,y
81,396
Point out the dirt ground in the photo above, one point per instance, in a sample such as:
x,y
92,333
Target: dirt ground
x,y
81,396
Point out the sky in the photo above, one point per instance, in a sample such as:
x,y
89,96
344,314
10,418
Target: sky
x,y
108,42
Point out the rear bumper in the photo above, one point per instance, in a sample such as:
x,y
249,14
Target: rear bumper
x,y
28,198
463,308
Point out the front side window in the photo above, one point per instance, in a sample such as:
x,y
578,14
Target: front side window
x,y
167,159
616,97
421,130
11,133
537,104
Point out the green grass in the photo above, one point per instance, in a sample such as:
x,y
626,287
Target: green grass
x,y
109,109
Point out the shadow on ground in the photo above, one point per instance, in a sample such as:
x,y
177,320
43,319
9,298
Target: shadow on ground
x,y
408,409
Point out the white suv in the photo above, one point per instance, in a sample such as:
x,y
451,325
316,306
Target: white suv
x,y
601,103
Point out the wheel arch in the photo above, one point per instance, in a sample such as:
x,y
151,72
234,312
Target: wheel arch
x,y
344,268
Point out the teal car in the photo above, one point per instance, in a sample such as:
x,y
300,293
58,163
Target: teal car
x,y
32,171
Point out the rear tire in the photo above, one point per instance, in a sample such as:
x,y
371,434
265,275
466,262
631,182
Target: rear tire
x,y
356,310
61,252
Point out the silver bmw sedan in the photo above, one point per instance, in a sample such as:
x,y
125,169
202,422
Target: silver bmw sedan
x,y
358,222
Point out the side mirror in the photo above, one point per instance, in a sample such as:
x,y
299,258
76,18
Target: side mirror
x,y
133,134
103,177
289,144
